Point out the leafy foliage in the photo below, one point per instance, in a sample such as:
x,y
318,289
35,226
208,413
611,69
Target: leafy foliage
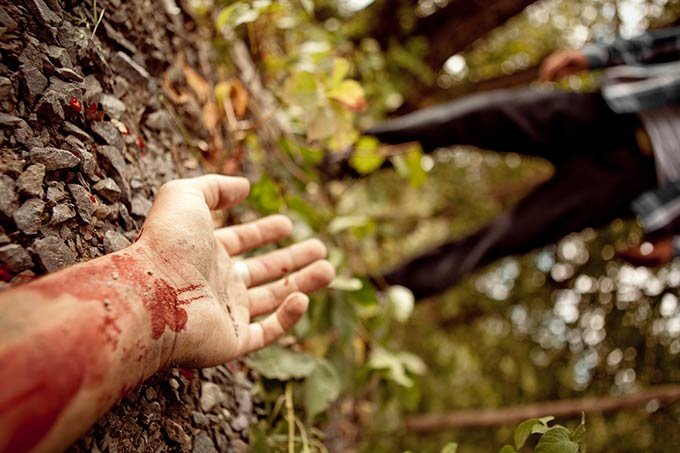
x,y
563,320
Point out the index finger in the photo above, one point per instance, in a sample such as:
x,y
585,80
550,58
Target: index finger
x,y
221,192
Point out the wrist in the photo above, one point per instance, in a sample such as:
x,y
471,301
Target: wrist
x,y
164,287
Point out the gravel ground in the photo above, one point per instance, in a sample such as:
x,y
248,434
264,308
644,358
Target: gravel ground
x,y
88,133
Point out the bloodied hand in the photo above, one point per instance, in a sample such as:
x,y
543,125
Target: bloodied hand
x,y
74,342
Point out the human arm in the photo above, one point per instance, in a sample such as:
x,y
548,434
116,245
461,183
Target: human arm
x,y
73,343
655,46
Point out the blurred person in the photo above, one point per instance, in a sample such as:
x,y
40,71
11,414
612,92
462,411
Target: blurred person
x,y
76,341
616,152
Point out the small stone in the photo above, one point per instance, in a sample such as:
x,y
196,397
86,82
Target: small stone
x,y
113,162
11,163
62,212
140,206
66,90
151,412
211,395
55,192
93,89
28,217
54,254
16,258
6,21
150,393
43,12
9,201
53,158
109,134
203,444
159,120
69,74
102,211
240,423
10,120
130,68
113,106
238,446
114,241
59,56
6,89
86,203
199,419
49,107
76,131
176,433
30,182
128,221
34,81
108,189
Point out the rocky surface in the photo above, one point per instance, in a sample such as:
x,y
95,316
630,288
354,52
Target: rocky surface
x,y
87,136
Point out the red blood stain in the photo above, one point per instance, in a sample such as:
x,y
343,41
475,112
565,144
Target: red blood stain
x,y
97,282
165,307
49,371
140,142
111,330
284,270
186,372
75,105
5,273
44,375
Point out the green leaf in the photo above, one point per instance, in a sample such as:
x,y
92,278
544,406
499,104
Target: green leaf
x,y
451,447
301,90
381,359
539,429
340,69
308,5
282,364
409,166
556,440
579,434
321,124
321,388
523,431
265,196
350,94
366,158
545,420
343,223
343,283
507,449
401,301
412,363
366,296
235,15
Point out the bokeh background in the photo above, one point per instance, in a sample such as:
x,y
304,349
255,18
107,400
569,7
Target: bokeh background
x,y
563,322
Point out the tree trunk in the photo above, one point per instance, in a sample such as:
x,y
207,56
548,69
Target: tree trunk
x,y
662,395
96,115
460,23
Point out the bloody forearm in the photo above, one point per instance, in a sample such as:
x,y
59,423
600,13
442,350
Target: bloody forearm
x,y
73,343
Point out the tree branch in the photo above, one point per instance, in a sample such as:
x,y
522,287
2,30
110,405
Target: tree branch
x,y
460,23
664,395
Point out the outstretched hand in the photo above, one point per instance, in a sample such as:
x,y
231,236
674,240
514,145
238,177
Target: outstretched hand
x,y
180,240
561,64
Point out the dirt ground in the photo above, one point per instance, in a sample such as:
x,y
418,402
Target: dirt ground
x,y
88,133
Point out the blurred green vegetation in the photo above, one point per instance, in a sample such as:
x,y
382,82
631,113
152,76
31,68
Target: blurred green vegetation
x,y
565,321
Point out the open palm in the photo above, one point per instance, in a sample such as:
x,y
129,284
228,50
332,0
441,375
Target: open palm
x,y
221,295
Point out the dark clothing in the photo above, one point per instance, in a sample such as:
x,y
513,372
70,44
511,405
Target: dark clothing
x,y
599,170
646,81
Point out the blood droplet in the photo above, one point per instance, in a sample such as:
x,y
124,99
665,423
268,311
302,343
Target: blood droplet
x,y
75,105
